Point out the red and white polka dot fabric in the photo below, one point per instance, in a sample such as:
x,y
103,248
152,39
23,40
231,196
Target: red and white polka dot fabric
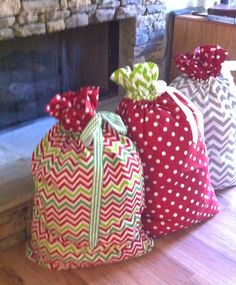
x,y
178,190
205,62
74,109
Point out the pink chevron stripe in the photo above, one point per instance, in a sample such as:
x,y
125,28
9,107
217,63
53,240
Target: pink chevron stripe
x,y
77,174
116,206
62,199
125,189
63,219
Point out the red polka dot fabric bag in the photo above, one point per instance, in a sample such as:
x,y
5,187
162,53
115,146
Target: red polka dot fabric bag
x,y
89,193
166,128
214,93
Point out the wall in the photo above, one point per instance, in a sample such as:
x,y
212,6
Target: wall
x,y
208,3
171,5
175,5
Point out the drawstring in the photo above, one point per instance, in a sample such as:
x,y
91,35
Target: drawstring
x,y
161,85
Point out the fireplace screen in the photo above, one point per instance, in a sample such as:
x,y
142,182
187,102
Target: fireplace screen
x,y
34,69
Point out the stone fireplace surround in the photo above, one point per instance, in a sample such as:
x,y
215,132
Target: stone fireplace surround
x,y
141,35
141,39
140,31
141,27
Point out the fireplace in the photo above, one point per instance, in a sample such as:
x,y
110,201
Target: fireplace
x,y
50,46
35,68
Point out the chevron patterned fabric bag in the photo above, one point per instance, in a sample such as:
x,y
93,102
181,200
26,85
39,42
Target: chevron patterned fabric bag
x,y
164,125
88,188
215,96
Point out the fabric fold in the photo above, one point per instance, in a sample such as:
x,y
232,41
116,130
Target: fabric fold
x,y
167,129
206,61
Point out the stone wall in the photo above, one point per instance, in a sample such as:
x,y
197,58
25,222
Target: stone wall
x,y
141,37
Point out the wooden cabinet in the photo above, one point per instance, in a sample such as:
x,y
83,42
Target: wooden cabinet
x,y
191,31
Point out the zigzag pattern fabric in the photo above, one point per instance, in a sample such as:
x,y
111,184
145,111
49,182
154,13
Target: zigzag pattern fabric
x,y
139,83
216,99
63,169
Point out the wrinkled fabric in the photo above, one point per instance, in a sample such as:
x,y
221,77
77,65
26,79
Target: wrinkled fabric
x,y
89,194
178,191
216,99
74,109
206,61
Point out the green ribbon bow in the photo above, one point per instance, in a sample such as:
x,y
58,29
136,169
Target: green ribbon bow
x,y
139,84
93,131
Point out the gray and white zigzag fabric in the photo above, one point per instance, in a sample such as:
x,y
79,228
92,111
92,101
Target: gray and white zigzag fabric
x,y
216,99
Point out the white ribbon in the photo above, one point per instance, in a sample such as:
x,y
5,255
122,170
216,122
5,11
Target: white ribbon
x,y
162,87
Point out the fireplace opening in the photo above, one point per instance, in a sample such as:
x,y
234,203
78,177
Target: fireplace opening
x,y
34,69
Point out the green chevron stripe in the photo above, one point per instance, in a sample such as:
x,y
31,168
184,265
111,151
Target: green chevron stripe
x,y
47,162
75,230
140,83
65,204
127,195
71,168
128,221
117,160
63,191
123,185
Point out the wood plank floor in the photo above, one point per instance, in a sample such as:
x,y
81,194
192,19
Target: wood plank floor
x,y
203,255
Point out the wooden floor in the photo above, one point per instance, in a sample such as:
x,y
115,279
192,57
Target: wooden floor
x,y
203,255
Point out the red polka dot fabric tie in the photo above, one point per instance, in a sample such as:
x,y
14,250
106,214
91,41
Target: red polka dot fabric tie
x,y
203,63
74,109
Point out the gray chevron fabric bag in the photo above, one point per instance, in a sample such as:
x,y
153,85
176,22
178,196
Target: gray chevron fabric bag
x,y
214,94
